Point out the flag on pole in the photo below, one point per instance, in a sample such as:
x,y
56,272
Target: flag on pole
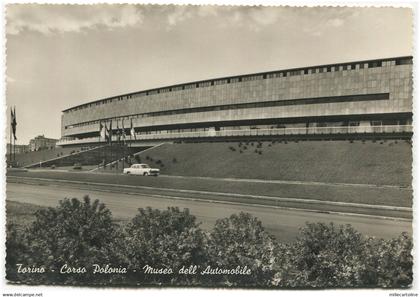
x,y
13,122
118,132
110,132
132,131
103,131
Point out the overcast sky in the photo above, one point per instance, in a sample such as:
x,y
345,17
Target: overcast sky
x,y
59,56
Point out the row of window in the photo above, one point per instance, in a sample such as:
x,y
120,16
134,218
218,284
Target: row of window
x,y
274,103
303,125
285,73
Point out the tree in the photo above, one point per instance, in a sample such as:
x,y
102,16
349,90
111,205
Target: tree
x,y
241,240
165,239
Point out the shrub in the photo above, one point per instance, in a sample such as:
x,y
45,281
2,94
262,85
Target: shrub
x,y
138,159
81,233
77,166
16,251
388,263
76,233
241,240
325,255
169,238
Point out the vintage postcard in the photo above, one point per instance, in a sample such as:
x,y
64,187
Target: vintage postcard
x,y
209,146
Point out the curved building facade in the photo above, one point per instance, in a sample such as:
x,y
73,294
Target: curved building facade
x,y
372,96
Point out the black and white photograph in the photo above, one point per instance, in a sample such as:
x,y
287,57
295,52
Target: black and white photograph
x,y
208,146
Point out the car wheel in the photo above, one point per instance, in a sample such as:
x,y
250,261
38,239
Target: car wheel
x,y
146,174
128,172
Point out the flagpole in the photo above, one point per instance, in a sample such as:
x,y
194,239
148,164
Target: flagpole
x,y
123,157
14,150
110,141
14,135
118,146
99,144
10,144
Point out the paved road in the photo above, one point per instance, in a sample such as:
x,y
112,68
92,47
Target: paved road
x,y
284,224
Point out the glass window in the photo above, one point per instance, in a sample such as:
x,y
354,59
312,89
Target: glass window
x,y
404,61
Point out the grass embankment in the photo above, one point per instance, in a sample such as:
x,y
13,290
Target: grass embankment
x,y
383,162
29,158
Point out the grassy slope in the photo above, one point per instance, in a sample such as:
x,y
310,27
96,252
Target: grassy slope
x,y
382,163
34,157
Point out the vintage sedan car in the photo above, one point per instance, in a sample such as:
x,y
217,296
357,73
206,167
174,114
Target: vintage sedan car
x,y
141,169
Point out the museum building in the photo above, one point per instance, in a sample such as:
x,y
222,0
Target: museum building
x,y
351,99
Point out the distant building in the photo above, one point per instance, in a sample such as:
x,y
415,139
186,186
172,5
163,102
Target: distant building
x,y
41,143
18,148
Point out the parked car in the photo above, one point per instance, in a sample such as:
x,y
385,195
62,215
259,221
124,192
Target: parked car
x,y
141,169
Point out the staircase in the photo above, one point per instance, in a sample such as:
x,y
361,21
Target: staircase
x,y
96,156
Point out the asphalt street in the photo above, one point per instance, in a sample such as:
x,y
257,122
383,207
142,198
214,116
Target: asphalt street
x,y
282,223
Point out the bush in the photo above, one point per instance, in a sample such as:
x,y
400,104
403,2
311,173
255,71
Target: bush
x,y
81,233
388,263
325,255
76,233
16,251
169,238
77,166
241,240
